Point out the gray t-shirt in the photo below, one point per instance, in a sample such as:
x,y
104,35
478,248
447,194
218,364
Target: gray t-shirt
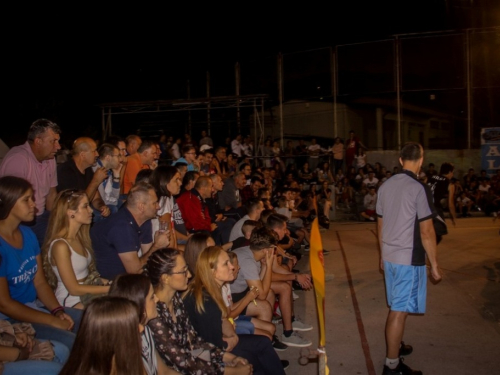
x,y
403,202
236,231
249,269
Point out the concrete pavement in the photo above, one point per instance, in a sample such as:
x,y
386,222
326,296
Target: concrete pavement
x,y
459,334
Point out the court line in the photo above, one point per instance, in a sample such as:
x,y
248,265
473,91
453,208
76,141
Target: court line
x,y
357,312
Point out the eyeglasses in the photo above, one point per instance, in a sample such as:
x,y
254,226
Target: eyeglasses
x,y
181,272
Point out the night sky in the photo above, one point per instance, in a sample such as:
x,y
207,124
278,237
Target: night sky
x,y
61,63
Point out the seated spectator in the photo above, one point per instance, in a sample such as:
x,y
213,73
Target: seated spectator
x,y
108,341
256,270
194,246
110,158
294,224
176,341
138,289
306,175
369,203
68,258
203,301
254,207
229,197
20,259
35,162
166,180
217,213
246,230
371,180
250,191
265,195
195,212
205,166
324,174
219,162
188,157
144,158
464,204
124,241
77,173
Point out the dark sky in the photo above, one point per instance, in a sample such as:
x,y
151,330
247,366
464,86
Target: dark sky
x,y
77,58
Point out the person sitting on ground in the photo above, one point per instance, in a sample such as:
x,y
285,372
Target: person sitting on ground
x,y
176,341
370,203
464,204
68,258
138,289
203,301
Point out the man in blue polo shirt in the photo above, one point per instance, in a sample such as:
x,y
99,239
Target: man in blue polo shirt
x,y
406,234
123,242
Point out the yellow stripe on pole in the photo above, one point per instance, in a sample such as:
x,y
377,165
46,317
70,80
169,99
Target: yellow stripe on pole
x,y
318,274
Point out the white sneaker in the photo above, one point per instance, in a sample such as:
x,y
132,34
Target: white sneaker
x,y
295,340
295,296
297,325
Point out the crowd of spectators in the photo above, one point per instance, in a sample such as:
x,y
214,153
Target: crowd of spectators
x,y
125,205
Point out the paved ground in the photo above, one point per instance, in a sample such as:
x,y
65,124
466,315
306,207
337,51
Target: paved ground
x,y
459,334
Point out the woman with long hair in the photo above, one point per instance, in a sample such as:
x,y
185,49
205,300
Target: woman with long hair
x,y
176,341
23,286
108,340
325,174
194,246
204,303
138,289
68,258
167,183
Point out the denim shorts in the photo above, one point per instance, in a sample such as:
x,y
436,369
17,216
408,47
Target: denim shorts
x,y
406,287
244,327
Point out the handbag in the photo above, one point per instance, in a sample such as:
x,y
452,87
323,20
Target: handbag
x,y
93,278
42,350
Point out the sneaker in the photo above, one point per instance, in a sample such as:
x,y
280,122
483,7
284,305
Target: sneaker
x,y
294,296
326,252
285,364
402,369
278,345
297,325
295,340
405,349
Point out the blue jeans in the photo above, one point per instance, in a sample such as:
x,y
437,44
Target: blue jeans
x,y
40,367
32,367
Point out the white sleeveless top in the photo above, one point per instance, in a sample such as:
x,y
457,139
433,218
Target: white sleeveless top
x,y
80,266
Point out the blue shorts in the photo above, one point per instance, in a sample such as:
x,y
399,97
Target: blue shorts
x,y
244,326
406,287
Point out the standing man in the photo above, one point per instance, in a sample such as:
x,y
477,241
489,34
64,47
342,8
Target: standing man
x,y
443,192
406,235
35,162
